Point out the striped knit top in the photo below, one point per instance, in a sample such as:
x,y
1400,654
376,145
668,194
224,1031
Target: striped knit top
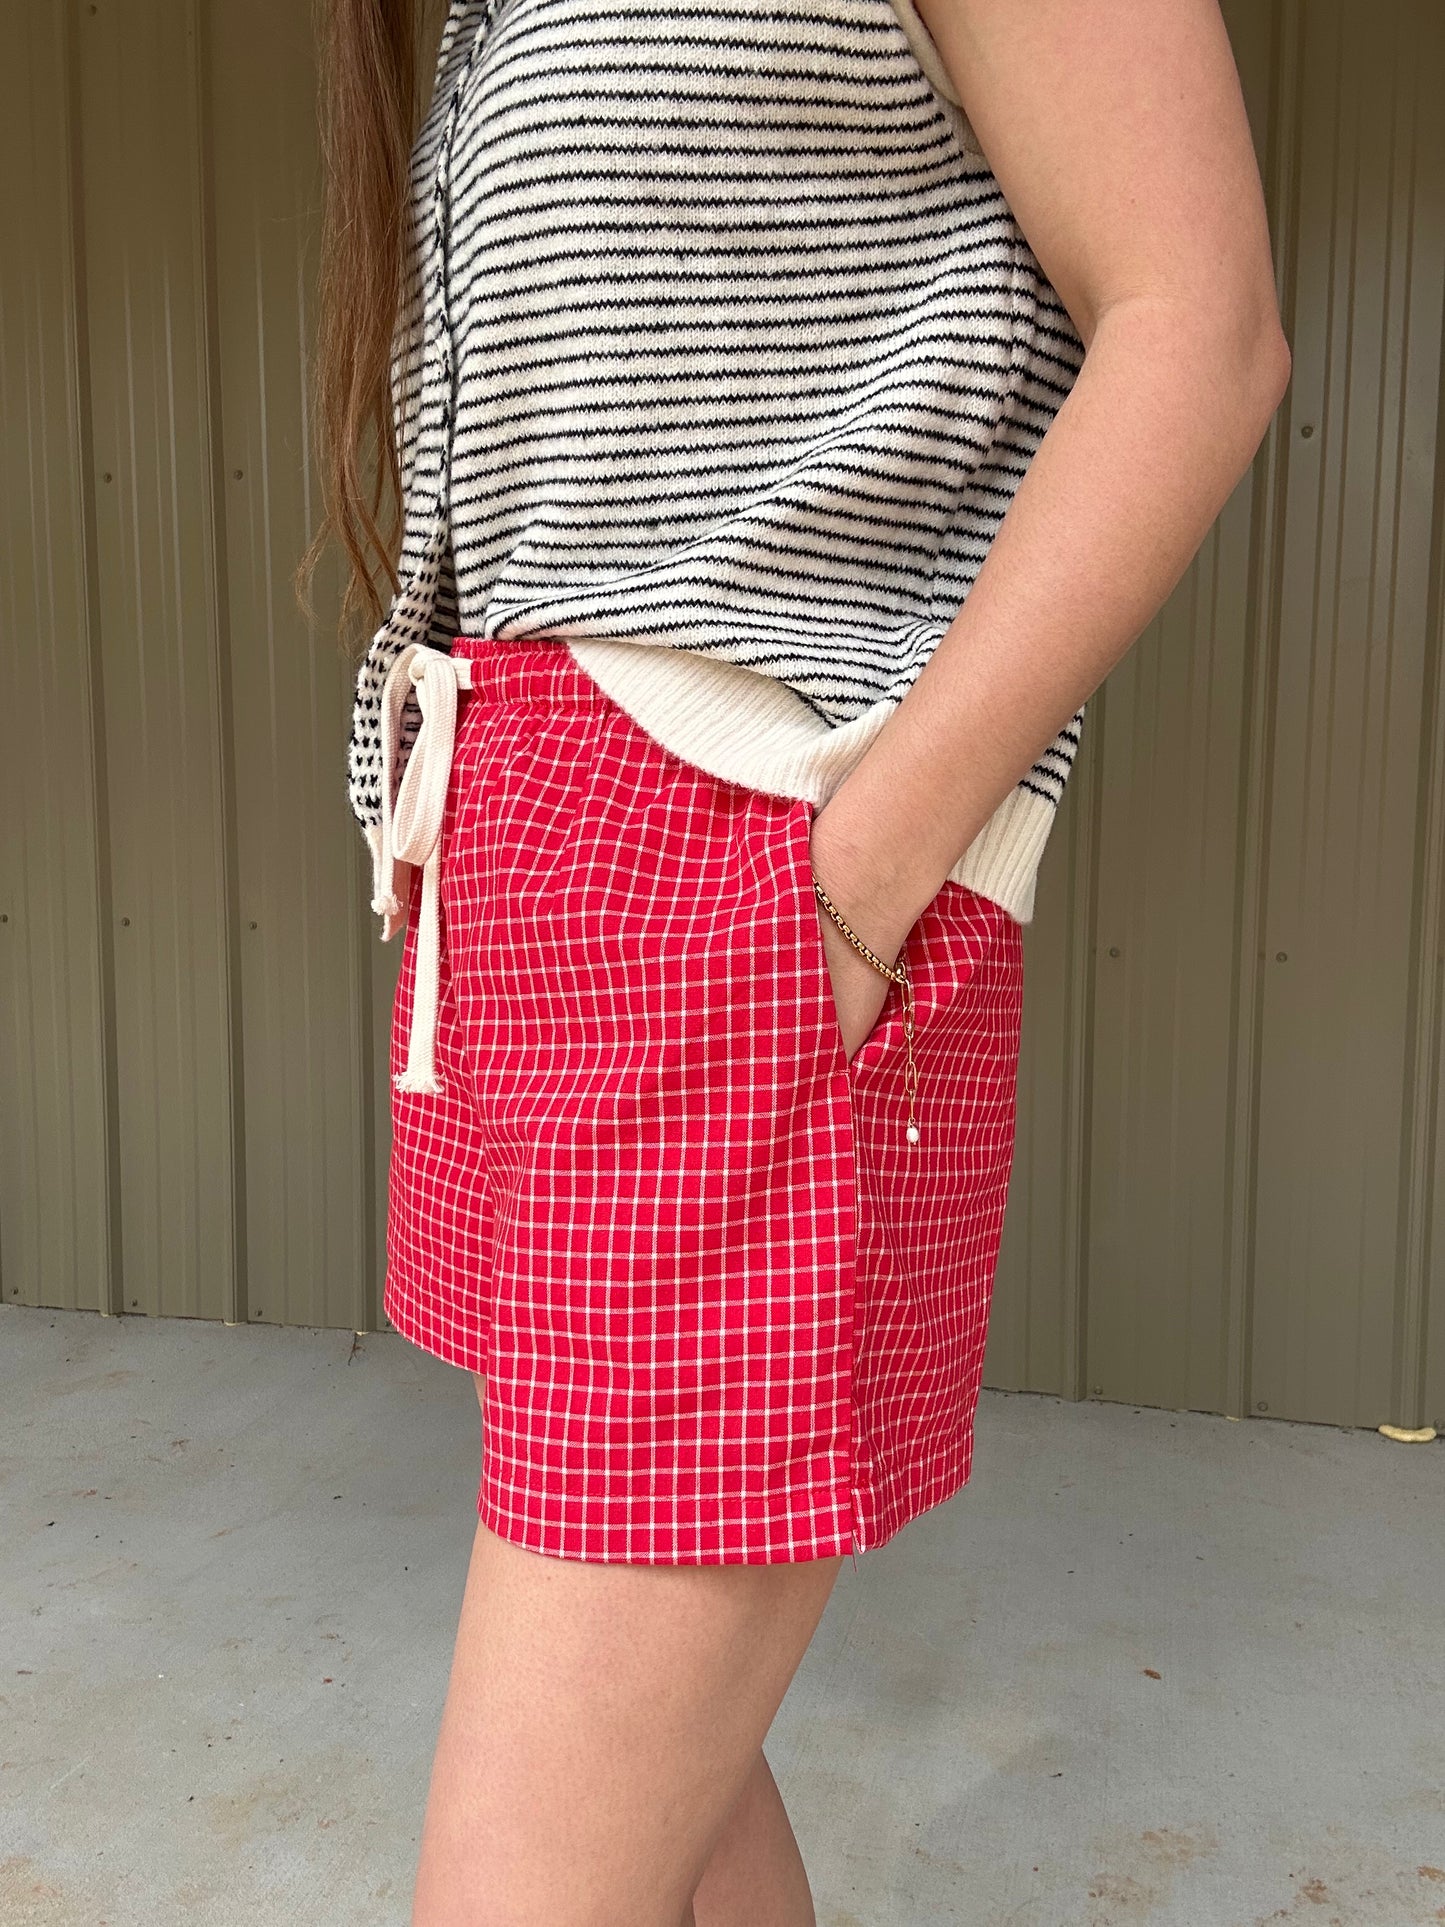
x,y
721,358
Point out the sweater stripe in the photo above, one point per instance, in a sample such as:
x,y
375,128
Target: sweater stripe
x,y
718,336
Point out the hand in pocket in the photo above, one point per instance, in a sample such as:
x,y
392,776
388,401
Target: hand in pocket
x,y
859,991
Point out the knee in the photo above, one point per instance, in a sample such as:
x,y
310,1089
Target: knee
x,y
480,1383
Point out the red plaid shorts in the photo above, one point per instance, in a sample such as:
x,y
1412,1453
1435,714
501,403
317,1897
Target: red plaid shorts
x,y
726,1313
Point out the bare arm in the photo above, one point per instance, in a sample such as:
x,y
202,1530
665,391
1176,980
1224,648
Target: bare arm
x,y
1118,134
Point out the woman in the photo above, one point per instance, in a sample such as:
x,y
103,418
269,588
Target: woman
x,y
799,409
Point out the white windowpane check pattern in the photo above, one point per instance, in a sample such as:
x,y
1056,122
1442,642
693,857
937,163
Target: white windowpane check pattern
x,y
726,1312
720,340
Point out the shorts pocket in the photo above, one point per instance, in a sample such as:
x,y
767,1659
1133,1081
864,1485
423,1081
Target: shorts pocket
x,y
942,950
814,959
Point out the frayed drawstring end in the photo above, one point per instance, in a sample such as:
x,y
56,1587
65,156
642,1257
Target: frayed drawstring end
x,y
420,1082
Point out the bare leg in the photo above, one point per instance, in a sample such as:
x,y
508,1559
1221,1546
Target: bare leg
x,y
602,1728
756,1876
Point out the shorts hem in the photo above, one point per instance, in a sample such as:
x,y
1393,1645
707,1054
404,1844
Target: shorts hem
x,y
467,1354
747,1539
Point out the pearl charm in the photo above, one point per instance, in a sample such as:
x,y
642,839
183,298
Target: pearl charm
x,y
912,1134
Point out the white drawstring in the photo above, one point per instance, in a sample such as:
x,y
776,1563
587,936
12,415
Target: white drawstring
x,y
411,830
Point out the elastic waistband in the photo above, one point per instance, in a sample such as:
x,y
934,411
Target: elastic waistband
x,y
536,669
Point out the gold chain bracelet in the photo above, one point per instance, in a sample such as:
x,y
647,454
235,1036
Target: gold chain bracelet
x,y
896,973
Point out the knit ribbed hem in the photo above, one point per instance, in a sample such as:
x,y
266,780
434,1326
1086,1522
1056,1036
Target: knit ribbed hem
x,y
753,729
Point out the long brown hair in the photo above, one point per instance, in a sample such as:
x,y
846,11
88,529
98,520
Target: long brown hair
x,y
369,53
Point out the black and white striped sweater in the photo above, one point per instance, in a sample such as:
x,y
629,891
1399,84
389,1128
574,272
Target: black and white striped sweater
x,y
722,357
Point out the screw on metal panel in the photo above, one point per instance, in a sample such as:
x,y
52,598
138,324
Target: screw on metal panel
x,y
1281,956
106,477
253,923
238,473
4,916
1261,1406
1307,429
125,919
1096,1391
1113,950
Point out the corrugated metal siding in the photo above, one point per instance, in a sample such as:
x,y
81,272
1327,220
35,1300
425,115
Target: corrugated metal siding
x,y
1229,1175
304,952
1335,1334
160,689
1229,1167
192,1043
58,1163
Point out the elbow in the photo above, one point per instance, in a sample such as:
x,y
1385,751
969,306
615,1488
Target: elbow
x,y
1272,363
1247,364
1243,338
1232,345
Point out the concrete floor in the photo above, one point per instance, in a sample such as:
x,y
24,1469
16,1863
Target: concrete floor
x,y
1148,1668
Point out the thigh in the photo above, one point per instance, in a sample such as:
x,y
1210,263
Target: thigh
x,y
600,1723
